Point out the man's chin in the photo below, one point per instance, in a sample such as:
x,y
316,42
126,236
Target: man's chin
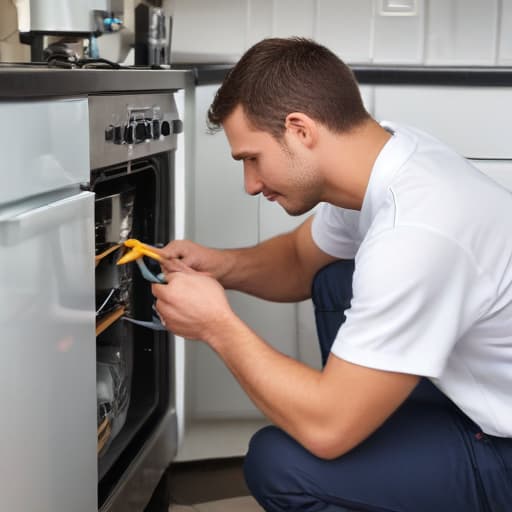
x,y
296,211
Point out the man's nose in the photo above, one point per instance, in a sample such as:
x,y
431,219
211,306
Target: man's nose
x,y
253,186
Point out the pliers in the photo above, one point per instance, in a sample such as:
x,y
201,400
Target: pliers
x,y
136,253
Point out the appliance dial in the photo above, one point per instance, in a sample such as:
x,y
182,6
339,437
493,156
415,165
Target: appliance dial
x,y
109,133
165,128
118,134
156,128
177,126
140,131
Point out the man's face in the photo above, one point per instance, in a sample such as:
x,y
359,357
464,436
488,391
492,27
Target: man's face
x,y
282,171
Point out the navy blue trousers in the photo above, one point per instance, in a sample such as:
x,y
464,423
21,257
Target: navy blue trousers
x,y
427,457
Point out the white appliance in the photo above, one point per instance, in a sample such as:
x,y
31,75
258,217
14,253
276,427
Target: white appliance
x,y
47,321
88,393
63,16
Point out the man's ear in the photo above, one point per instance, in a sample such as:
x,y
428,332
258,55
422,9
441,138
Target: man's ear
x,y
302,127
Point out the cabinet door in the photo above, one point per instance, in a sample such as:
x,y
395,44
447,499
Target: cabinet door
x,y
475,121
223,216
47,363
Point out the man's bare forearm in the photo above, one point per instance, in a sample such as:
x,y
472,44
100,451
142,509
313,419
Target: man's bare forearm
x,y
271,270
279,269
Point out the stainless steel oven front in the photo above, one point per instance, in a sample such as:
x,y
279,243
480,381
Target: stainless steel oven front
x,y
133,140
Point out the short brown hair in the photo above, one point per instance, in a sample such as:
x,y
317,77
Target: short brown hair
x,y
278,76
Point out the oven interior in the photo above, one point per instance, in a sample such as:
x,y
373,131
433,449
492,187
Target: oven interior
x,y
133,200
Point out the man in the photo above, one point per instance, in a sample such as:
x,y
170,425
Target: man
x,y
412,411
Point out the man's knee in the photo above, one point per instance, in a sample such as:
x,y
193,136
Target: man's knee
x,y
271,470
262,460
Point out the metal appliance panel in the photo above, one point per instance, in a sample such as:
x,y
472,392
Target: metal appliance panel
x,y
114,110
47,368
64,16
45,146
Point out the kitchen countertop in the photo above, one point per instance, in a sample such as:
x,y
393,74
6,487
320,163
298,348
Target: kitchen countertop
x,y
373,74
27,81
37,81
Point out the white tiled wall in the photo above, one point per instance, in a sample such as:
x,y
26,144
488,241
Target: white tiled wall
x,y
462,32
346,27
430,32
398,34
505,34
293,17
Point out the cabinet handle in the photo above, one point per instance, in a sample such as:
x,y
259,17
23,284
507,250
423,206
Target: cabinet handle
x,y
24,225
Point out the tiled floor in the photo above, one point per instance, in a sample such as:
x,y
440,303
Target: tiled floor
x,y
240,504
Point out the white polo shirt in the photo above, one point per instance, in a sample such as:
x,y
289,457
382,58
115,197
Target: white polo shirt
x,y
432,287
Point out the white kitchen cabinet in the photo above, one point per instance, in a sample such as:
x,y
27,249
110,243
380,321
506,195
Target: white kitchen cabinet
x,y
475,121
223,217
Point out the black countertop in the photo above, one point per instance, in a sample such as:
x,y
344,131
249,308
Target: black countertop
x,y
392,75
36,82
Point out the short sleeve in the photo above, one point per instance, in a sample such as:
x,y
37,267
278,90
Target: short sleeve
x,y
336,231
415,293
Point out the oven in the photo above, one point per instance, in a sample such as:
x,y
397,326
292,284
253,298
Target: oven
x,y
133,139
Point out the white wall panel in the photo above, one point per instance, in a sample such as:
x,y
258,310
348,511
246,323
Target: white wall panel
x,y
293,18
399,32
224,216
505,31
308,345
367,93
206,31
259,20
462,32
345,26
216,393
219,187
474,121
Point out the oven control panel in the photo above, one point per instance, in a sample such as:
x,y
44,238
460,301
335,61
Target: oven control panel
x,y
128,126
143,124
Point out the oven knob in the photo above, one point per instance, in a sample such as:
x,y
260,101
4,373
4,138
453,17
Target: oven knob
x,y
148,126
156,128
118,134
109,133
177,126
140,131
129,133
165,128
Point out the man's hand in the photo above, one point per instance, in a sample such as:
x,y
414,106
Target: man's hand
x,y
194,256
192,304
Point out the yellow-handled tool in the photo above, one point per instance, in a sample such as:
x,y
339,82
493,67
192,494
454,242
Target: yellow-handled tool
x,y
138,250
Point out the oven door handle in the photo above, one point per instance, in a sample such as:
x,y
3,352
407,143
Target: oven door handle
x,y
22,226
